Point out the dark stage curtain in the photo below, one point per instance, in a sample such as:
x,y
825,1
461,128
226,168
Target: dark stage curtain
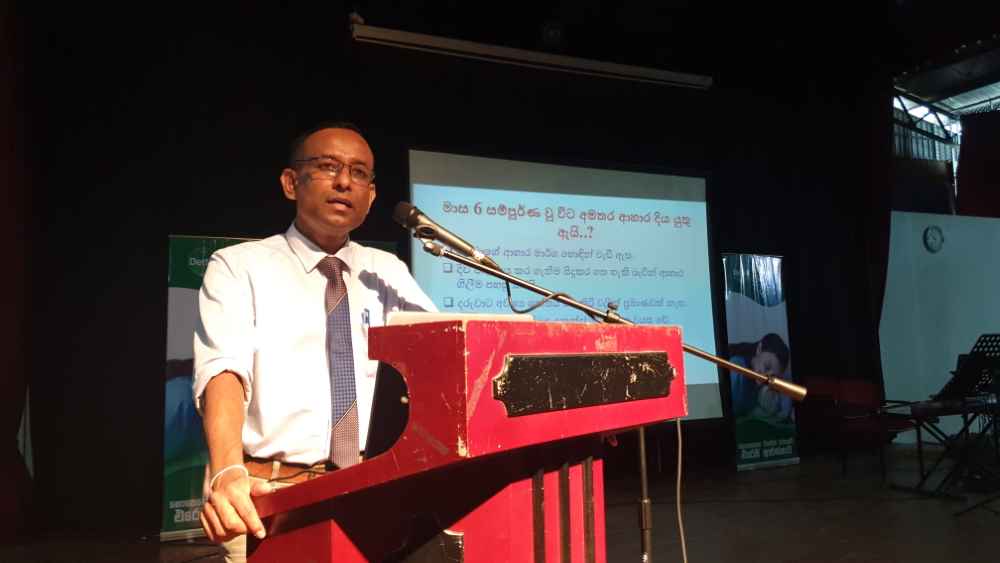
x,y
15,485
879,204
978,172
923,186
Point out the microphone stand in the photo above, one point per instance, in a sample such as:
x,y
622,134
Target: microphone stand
x,y
787,388
796,392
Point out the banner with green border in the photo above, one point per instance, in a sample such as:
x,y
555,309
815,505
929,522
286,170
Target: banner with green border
x,y
757,327
184,451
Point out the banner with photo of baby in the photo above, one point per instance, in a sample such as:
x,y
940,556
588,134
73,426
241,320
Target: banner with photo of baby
x,y
184,451
757,327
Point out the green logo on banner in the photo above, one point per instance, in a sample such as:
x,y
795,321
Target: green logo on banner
x,y
197,265
189,258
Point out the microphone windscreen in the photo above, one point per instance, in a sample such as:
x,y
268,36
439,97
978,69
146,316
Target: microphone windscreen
x,y
402,214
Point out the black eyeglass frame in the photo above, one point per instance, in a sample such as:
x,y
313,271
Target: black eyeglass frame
x,y
369,174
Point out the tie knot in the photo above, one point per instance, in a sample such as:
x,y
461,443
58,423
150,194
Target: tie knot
x,y
331,267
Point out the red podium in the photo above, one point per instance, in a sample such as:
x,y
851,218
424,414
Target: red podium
x,y
499,455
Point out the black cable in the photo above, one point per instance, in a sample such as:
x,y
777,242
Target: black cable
x,y
510,302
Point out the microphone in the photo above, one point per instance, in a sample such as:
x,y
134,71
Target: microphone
x,y
423,227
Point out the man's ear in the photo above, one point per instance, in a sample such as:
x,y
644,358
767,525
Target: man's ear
x,y
288,179
371,195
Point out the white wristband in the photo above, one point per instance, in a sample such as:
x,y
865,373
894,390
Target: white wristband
x,y
211,484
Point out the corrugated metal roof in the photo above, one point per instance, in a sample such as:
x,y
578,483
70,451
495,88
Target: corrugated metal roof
x,y
965,84
985,98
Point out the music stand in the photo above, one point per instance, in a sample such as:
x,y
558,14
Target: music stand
x,y
988,347
962,395
974,375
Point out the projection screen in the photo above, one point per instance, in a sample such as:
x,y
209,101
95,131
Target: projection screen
x,y
636,239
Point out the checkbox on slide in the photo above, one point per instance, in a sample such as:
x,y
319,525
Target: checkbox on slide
x,y
449,302
447,267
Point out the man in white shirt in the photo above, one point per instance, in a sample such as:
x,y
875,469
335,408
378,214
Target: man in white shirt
x,y
262,374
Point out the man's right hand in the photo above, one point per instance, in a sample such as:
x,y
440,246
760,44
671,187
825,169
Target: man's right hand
x,y
229,510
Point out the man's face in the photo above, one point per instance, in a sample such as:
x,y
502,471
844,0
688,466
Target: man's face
x,y
327,206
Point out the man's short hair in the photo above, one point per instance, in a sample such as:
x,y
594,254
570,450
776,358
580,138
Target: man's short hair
x,y
295,151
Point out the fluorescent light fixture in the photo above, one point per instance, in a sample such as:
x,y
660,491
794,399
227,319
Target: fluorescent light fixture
x,y
523,58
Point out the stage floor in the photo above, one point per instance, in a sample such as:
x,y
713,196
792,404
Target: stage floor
x,y
811,512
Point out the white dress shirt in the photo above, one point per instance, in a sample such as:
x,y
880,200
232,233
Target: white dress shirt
x,y
262,316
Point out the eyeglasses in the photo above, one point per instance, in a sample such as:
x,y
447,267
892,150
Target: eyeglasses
x,y
331,167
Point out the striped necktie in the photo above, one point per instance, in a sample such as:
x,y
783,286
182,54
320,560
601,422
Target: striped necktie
x,y
344,438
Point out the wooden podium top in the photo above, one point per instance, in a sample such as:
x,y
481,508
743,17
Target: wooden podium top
x,y
477,388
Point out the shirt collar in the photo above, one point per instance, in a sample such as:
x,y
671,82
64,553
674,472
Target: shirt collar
x,y
309,253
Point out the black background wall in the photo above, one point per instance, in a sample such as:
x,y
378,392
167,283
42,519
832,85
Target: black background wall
x,y
978,164
141,125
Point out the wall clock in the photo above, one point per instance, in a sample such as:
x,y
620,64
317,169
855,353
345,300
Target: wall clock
x,y
933,238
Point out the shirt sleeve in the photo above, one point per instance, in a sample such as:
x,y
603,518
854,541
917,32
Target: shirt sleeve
x,y
410,296
223,336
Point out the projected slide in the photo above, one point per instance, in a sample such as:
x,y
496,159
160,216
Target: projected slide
x,y
637,240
